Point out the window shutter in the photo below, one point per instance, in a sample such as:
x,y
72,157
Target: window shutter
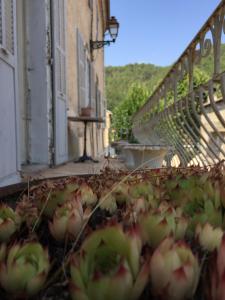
x,y
99,104
87,83
93,89
6,25
81,71
60,47
59,75
96,99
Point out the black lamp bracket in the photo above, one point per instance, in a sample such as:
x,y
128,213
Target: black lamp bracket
x,y
100,44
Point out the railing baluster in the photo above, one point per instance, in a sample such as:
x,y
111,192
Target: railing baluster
x,y
184,121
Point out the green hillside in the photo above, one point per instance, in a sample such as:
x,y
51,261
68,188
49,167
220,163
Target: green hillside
x,y
120,79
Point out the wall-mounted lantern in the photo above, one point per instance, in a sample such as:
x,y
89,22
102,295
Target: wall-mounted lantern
x,y
113,28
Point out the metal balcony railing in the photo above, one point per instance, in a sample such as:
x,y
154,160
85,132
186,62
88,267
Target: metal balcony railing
x,y
187,110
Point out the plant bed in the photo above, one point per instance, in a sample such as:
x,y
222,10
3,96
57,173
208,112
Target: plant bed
x,y
149,234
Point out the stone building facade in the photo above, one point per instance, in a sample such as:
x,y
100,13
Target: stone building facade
x,y
48,72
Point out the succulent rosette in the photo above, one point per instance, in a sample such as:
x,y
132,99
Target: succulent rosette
x,y
199,198
208,237
207,212
9,223
108,266
145,190
139,205
28,212
174,271
108,202
24,269
216,289
55,197
121,193
67,220
158,224
86,194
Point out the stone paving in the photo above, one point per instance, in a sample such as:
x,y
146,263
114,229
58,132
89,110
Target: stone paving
x,y
70,169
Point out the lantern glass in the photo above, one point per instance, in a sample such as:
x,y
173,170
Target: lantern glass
x,y
113,28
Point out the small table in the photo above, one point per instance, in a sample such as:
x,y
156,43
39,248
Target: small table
x,y
85,120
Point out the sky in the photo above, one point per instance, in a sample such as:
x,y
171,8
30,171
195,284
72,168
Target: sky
x,y
155,31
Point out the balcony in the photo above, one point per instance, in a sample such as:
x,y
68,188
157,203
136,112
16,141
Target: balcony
x,y
189,114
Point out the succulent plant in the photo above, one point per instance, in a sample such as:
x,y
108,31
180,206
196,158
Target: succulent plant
x,y
67,220
217,274
9,223
56,197
24,270
158,224
144,190
108,266
121,193
206,212
28,212
174,271
139,205
208,237
108,202
86,194
3,248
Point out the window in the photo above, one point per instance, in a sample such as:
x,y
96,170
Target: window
x,y
81,69
85,76
92,88
97,94
88,83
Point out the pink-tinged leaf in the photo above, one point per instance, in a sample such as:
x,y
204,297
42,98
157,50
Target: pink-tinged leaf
x,y
221,288
134,251
120,285
74,224
58,227
77,294
221,257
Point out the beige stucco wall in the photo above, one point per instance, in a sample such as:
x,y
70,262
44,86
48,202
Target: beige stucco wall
x,y
79,15
219,128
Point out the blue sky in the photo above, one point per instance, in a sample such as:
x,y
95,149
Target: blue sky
x,y
155,31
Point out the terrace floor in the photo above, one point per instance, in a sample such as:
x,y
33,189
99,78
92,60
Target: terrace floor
x,y
70,169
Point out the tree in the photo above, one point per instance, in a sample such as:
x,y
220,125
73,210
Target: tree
x,y
123,113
